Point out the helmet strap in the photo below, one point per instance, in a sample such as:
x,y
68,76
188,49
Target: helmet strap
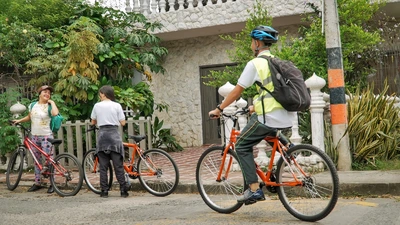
x,y
257,50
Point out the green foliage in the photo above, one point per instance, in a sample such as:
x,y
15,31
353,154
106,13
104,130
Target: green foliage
x,y
72,56
359,39
45,14
305,126
18,43
162,138
373,127
242,52
135,99
9,134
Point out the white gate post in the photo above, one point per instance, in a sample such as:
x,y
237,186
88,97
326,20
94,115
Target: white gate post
x,y
315,84
231,109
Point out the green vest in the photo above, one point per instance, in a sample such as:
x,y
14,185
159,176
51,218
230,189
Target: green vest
x,y
264,73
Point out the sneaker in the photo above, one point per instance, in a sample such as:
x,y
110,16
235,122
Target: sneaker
x,y
250,197
34,187
104,194
124,194
50,190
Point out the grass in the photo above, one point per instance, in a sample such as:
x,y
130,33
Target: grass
x,y
393,164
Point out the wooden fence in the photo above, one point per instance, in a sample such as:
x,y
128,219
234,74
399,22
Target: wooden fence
x,y
77,141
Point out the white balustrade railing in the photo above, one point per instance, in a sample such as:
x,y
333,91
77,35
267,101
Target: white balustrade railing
x,y
156,6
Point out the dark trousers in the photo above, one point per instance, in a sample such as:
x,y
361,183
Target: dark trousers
x,y
252,134
104,160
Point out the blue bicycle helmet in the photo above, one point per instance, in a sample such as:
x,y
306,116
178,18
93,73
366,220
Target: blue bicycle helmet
x,y
266,34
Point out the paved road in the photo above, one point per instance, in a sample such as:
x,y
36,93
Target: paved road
x,y
20,207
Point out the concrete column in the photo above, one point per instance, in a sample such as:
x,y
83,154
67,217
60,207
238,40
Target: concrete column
x,y
315,84
229,110
242,119
295,138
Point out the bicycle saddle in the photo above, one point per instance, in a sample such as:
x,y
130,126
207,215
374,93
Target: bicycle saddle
x,y
137,138
54,141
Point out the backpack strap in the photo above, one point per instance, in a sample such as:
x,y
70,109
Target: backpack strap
x,y
261,86
262,97
33,103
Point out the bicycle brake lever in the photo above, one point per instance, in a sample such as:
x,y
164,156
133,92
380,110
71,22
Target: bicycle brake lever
x,y
212,116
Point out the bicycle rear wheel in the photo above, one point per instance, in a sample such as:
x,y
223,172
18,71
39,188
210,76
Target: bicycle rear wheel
x,y
66,175
15,168
91,171
318,195
158,172
220,195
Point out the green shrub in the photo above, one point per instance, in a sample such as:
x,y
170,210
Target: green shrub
x,y
373,127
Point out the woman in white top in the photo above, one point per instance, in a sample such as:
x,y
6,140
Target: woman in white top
x,y
40,128
108,115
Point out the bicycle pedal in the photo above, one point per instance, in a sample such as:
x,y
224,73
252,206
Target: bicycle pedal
x,y
272,189
250,202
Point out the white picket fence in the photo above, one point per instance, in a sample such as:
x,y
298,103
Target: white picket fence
x,y
77,141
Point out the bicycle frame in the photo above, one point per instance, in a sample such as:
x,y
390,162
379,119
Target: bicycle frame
x,y
28,143
128,166
264,176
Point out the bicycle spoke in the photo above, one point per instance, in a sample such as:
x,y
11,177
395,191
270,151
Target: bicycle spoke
x,y
66,175
91,172
317,195
220,195
158,173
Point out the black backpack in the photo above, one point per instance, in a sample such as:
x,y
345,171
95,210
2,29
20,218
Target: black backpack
x,y
290,89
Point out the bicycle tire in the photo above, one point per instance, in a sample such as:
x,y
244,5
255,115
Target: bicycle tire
x,y
15,168
318,195
66,175
220,196
158,172
92,176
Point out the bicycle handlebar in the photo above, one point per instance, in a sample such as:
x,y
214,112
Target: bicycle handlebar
x,y
91,128
19,124
244,110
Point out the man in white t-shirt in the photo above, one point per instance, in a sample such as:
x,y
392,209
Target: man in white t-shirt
x,y
269,114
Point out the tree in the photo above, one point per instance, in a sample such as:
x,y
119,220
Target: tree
x,y
242,52
99,42
361,34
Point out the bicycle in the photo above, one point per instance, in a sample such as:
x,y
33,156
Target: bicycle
x,y
65,171
156,170
304,177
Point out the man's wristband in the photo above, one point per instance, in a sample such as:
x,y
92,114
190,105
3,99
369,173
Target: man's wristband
x,y
219,108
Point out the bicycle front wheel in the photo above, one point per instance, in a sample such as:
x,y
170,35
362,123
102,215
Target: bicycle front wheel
x,y
15,168
220,194
66,175
91,171
319,192
158,172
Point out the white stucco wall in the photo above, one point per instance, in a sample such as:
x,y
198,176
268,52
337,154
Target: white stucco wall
x,y
179,87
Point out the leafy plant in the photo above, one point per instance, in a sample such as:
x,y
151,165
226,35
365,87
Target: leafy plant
x,y
360,37
9,134
162,138
242,52
373,126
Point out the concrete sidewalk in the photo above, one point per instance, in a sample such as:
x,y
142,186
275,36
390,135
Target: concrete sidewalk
x,y
359,183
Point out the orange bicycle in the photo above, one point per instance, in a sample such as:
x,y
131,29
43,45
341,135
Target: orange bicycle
x,y
304,177
65,171
156,170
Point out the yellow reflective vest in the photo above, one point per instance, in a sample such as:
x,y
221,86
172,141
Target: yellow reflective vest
x,y
264,73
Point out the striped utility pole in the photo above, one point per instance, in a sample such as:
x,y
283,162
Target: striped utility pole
x,y
336,84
